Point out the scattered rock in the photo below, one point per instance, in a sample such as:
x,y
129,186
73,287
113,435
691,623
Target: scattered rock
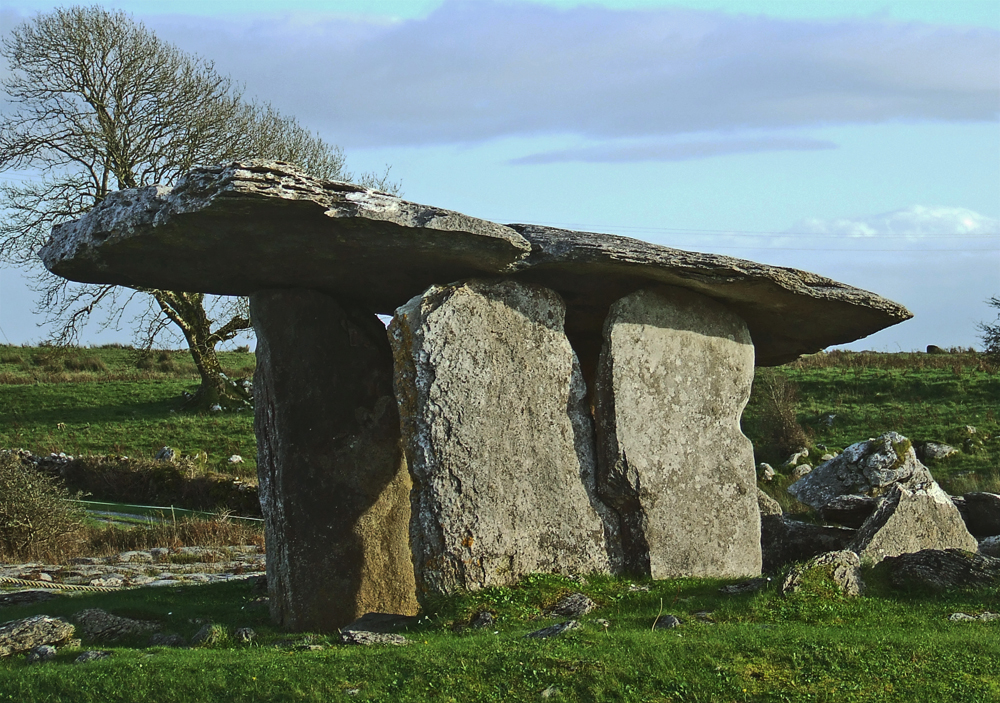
x,y
553,630
794,459
245,635
934,451
136,557
160,639
908,521
849,510
982,617
573,606
866,468
827,419
935,349
209,635
165,454
41,654
551,692
91,656
381,622
981,513
101,625
765,472
767,505
482,620
666,622
843,568
990,546
235,459
784,540
942,569
687,499
367,639
24,635
801,470
751,586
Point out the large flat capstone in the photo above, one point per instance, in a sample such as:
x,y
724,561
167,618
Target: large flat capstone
x,y
334,487
245,227
674,376
498,438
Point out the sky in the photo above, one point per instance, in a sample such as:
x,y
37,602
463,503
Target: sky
x,y
856,139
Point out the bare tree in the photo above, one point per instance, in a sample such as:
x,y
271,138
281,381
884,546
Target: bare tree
x,y
99,104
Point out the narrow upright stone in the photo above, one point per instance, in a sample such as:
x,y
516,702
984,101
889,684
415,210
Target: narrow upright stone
x,y
333,482
498,438
674,376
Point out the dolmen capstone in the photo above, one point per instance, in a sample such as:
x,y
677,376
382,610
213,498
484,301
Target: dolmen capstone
x,y
543,400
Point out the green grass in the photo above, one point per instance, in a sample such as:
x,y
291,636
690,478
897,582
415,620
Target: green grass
x,y
121,410
817,646
923,397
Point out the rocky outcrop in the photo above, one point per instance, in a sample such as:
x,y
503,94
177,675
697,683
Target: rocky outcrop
x,y
842,569
498,438
99,624
907,510
941,569
333,481
674,376
244,227
867,468
26,634
910,521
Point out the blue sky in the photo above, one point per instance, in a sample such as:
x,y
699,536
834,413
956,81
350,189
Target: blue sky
x,y
859,140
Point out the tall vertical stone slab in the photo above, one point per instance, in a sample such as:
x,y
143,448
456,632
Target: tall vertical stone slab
x,y
498,438
674,376
334,486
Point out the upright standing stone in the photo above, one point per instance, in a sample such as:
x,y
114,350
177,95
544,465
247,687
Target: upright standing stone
x,y
333,482
498,438
674,376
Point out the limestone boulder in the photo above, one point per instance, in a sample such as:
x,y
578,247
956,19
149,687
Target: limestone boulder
x,y
24,635
767,505
842,569
910,521
243,227
334,486
674,376
867,468
498,438
941,569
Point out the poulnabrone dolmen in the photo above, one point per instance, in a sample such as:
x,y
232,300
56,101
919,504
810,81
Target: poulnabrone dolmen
x,y
543,400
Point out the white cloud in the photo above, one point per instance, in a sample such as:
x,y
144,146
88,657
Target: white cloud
x,y
918,223
472,71
617,151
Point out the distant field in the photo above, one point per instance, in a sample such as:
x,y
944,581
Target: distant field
x,y
118,401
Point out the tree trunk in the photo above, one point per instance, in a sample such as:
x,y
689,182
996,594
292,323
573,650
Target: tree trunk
x,y
187,311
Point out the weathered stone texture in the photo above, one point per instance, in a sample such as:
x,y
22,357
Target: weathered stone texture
x,y
784,540
334,487
843,568
498,438
909,521
674,376
26,634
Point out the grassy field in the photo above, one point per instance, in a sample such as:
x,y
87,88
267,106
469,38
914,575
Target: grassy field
x,y
117,401
813,646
